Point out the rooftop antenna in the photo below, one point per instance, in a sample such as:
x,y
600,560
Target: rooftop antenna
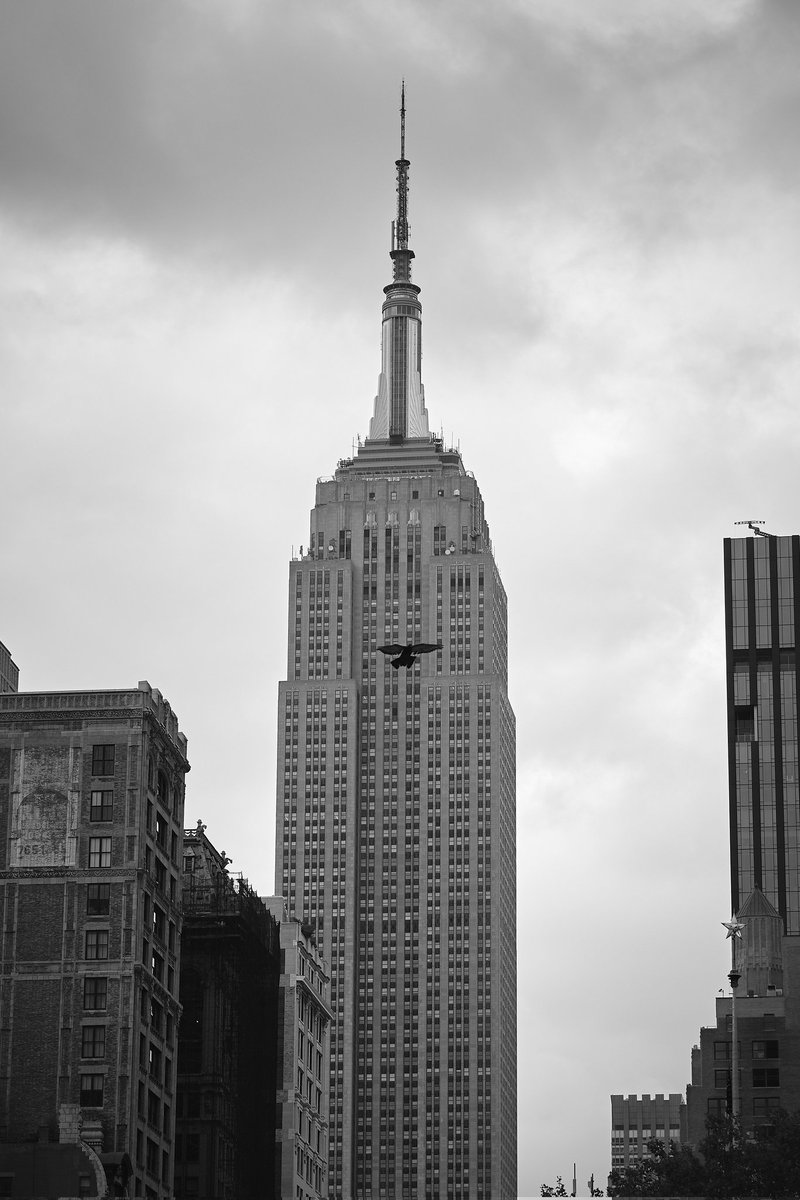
x,y
754,525
402,164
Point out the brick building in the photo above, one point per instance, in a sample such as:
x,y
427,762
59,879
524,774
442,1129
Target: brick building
x,y
767,1034
228,1042
302,1117
91,821
636,1120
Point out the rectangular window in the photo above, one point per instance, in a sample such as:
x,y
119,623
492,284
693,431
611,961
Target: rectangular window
x,y
93,1041
764,1105
156,1016
95,992
99,851
103,760
716,1107
163,789
91,1091
766,1077
768,1049
155,1062
96,943
98,899
745,724
101,806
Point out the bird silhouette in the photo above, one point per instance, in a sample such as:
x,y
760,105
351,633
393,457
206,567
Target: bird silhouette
x,y
406,656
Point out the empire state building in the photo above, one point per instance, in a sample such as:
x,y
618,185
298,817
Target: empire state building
x,y
396,796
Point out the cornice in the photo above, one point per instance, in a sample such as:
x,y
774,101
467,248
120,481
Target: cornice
x,y
50,715
71,874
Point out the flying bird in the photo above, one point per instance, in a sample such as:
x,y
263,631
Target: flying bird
x,y
406,656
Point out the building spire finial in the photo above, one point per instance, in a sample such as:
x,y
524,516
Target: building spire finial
x,y
400,240
400,411
403,119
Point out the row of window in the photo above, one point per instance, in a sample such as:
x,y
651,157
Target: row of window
x,y
760,1048
100,847
104,763
762,1106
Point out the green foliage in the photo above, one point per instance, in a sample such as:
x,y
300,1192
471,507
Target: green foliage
x,y
668,1171
558,1190
731,1164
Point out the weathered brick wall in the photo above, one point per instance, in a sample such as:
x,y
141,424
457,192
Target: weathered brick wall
x,y
40,921
34,1056
5,768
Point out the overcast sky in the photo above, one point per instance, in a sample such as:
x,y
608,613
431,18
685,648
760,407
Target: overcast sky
x,y
195,201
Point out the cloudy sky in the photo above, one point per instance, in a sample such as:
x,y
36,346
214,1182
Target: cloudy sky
x,y
195,200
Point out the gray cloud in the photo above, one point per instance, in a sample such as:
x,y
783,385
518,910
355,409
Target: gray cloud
x,y
194,211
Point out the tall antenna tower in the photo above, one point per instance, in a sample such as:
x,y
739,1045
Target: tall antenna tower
x,y
402,164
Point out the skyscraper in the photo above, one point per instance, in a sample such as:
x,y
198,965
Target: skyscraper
x,y
396,786
762,616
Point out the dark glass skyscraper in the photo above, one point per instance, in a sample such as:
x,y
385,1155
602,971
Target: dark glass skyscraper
x,y
762,616
396,786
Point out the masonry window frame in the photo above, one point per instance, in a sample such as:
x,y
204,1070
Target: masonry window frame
x,y
95,993
92,1089
93,1040
100,849
104,759
98,899
101,804
96,945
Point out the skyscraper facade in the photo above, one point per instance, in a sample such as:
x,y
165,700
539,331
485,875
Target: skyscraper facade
x,y
396,796
762,616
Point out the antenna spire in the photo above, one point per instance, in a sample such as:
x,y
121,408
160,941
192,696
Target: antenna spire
x,y
402,164
400,412
403,119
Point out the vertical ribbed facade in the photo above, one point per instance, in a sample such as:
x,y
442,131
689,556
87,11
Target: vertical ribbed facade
x,y
396,797
396,825
762,616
